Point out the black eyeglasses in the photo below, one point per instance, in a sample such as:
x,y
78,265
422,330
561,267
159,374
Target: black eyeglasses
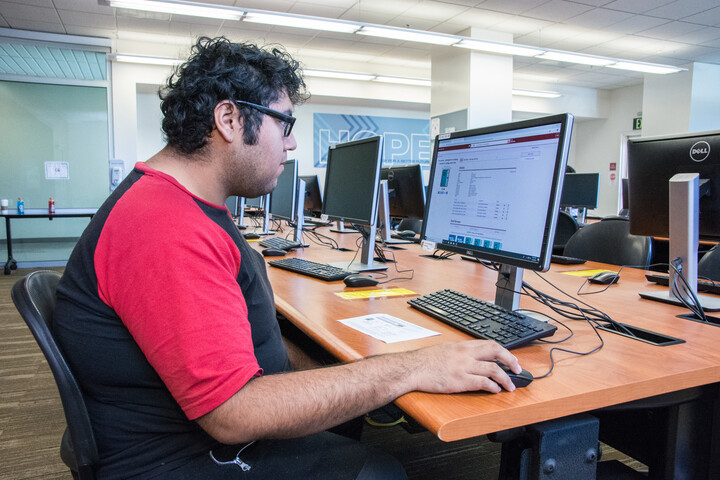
x,y
287,120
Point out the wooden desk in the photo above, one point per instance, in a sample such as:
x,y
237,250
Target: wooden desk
x,y
11,264
624,370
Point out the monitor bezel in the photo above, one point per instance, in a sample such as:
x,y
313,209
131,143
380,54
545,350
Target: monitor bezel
x,y
329,171
543,261
314,181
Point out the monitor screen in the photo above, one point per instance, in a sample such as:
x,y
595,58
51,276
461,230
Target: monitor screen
x,y
352,181
256,202
494,192
580,190
282,198
652,161
625,195
406,193
313,199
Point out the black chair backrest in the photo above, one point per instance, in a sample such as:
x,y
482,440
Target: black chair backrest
x,y
709,264
34,297
565,228
610,241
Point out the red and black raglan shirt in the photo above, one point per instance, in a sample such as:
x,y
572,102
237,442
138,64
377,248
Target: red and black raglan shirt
x,y
164,312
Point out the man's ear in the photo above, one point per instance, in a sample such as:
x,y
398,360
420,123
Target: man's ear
x,y
227,121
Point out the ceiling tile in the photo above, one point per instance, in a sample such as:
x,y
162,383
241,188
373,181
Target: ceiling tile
x,y
315,10
515,7
80,18
636,6
711,17
670,30
91,6
54,27
19,11
557,10
599,18
700,36
680,9
414,23
272,5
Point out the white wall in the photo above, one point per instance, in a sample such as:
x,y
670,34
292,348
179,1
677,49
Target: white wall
x,y
597,143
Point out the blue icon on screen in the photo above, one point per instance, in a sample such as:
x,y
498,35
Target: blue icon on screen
x,y
487,244
478,242
460,239
451,238
497,246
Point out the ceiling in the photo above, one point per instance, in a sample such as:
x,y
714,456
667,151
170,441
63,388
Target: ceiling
x,y
673,32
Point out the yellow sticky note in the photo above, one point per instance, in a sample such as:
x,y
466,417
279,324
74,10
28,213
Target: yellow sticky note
x,y
385,292
586,273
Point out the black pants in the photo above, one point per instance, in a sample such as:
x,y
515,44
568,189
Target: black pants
x,y
320,456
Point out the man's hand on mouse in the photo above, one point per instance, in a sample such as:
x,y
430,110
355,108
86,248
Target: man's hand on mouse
x,y
463,366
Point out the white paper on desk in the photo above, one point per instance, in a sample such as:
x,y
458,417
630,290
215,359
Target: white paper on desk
x,y
387,328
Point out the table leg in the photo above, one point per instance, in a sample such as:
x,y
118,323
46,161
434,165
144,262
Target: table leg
x,y
11,264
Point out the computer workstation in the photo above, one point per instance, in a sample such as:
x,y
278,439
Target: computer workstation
x,y
674,191
286,204
404,203
580,193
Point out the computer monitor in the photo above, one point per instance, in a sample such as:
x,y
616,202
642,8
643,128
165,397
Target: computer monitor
x,y
352,182
406,193
313,198
494,194
580,190
282,198
625,199
658,167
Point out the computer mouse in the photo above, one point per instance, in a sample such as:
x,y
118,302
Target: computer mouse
x,y
360,280
251,236
521,379
273,252
604,278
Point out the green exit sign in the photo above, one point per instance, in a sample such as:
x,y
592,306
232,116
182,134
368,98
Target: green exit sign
x,y
637,123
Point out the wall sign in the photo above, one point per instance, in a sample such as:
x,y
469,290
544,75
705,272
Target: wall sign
x,y
406,140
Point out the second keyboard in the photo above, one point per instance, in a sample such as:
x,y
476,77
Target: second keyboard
x,y
279,242
322,271
482,319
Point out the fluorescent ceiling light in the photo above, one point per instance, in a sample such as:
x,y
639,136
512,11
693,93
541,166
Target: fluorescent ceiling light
x,y
507,49
340,75
576,58
408,35
420,82
646,67
301,22
535,93
180,8
144,59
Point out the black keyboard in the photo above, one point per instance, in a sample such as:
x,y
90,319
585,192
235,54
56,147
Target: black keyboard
x,y
703,286
279,242
322,271
566,260
482,319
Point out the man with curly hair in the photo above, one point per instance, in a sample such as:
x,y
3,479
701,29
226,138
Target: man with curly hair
x,y
167,317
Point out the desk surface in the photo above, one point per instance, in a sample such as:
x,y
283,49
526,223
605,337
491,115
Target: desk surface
x,y
624,370
43,213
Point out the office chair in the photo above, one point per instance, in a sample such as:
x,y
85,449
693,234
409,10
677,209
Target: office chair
x,y
34,297
610,241
709,264
414,224
565,228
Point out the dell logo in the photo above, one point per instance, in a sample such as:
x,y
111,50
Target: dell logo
x,y
700,151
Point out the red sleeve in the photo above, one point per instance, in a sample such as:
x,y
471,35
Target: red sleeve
x,y
172,279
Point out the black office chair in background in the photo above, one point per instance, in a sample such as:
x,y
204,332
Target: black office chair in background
x,y
565,228
610,241
709,264
34,297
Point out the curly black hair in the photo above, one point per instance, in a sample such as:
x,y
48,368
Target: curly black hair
x,y
218,70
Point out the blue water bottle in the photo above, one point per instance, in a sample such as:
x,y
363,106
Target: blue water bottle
x,y
20,206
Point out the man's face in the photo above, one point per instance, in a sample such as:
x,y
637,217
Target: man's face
x,y
256,168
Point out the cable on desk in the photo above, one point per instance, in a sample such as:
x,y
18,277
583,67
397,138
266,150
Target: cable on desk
x,y
680,291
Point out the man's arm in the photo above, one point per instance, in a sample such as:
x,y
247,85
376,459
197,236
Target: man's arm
x,y
300,403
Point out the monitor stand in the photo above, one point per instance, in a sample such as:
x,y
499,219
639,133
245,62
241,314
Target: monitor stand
x,y
266,218
383,218
367,256
684,238
240,207
508,287
341,228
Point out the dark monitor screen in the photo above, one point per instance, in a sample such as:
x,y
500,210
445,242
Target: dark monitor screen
x,y
406,193
256,202
313,199
282,198
652,161
494,192
352,181
580,190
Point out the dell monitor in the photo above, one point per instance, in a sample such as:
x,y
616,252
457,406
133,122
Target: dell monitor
x,y
674,190
313,199
494,194
580,190
352,183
